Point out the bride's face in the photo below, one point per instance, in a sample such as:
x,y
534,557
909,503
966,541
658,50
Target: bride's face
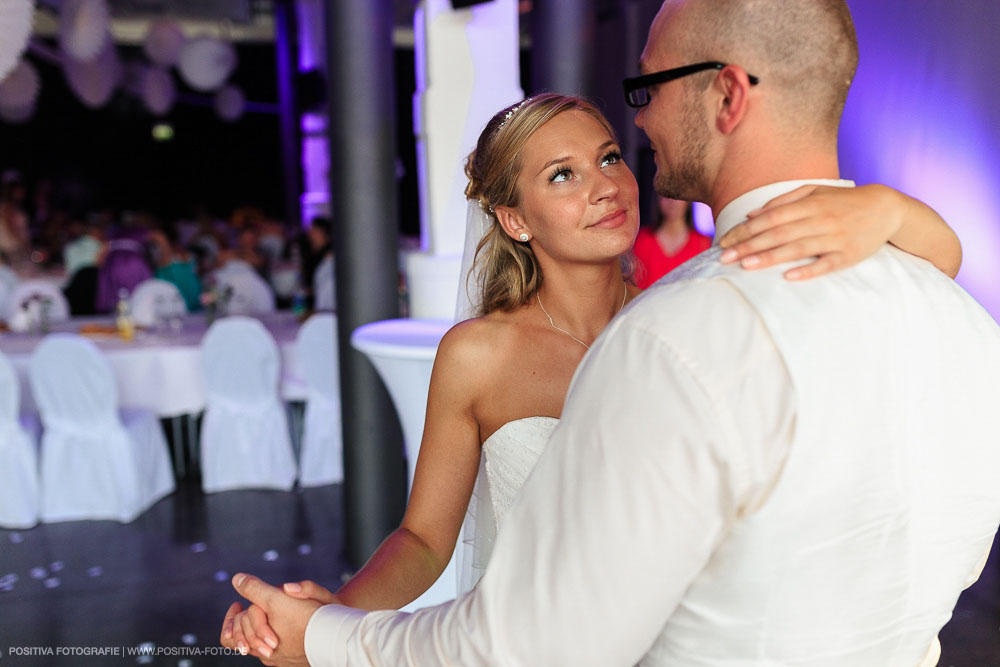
x,y
578,200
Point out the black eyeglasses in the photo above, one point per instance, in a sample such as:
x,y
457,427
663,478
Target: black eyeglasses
x,y
636,88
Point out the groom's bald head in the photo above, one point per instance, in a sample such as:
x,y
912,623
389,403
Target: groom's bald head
x,y
804,51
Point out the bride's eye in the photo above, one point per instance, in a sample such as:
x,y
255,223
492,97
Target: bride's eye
x,y
610,158
560,175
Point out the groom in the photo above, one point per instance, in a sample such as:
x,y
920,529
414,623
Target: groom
x,y
748,470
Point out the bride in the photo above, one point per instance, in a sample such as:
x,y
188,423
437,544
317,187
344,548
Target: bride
x,y
561,213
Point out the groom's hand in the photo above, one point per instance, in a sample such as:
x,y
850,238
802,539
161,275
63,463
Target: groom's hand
x,y
259,638
287,616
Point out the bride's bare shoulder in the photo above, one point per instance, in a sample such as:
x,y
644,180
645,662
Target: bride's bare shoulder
x,y
477,342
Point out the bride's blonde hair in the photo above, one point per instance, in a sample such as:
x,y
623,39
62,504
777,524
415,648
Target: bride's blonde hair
x,y
509,273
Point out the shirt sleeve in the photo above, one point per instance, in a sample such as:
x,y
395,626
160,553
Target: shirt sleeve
x,y
635,490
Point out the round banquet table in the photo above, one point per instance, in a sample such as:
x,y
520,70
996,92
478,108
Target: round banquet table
x,y
403,352
158,370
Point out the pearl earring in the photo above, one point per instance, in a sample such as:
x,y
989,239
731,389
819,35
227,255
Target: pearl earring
x,y
524,237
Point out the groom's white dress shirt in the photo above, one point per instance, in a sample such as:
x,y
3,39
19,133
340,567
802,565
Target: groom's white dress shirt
x,y
748,471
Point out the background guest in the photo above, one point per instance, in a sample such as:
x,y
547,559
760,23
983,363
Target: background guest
x,y
671,241
85,247
316,246
15,238
176,265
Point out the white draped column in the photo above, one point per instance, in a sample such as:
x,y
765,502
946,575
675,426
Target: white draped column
x,y
467,64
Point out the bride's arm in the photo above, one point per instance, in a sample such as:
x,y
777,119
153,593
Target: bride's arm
x,y
840,227
414,555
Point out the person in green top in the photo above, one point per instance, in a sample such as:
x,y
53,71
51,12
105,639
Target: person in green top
x,y
175,265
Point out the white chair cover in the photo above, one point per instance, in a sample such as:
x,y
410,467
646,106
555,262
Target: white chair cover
x,y
285,280
22,309
234,266
153,300
20,502
271,246
250,294
244,434
324,285
92,466
322,459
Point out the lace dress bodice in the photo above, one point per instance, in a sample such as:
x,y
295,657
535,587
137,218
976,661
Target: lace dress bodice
x,y
508,458
510,454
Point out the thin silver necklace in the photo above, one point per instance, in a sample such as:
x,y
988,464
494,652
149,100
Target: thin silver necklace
x,y
539,299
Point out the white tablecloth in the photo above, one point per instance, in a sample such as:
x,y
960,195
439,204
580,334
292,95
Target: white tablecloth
x,y
159,371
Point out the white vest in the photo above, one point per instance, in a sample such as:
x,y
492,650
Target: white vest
x,y
885,537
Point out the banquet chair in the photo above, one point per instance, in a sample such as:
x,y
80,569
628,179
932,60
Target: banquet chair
x,y
234,266
153,300
249,294
95,463
123,268
24,303
245,441
19,488
322,458
285,280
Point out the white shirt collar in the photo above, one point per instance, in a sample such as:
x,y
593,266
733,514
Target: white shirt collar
x,y
736,211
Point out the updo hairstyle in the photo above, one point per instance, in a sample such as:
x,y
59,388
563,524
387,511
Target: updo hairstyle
x,y
509,274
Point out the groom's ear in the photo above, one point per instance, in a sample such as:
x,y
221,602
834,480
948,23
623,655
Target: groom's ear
x,y
511,221
732,85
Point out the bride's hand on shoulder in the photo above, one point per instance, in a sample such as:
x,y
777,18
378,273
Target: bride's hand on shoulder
x,y
840,227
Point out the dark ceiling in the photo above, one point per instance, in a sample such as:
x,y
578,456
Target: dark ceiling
x,y
236,11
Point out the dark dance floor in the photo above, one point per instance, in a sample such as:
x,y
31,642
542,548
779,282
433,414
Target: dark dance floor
x,y
161,583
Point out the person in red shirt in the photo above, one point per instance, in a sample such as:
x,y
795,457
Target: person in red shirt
x,y
670,243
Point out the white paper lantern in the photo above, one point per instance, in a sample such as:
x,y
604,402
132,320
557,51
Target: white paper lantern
x,y
17,114
158,90
205,62
15,26
94,82
83,28
229,102
164,41
20,88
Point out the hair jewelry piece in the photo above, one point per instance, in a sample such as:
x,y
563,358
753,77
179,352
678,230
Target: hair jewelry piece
x,y
524,237
511,112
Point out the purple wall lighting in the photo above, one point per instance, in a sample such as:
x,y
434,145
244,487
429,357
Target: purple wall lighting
x,y
924,116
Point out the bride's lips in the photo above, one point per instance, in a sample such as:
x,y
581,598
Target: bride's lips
x,y
612,220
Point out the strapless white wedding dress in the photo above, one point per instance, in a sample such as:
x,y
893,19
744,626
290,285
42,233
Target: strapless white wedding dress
x,y
507,459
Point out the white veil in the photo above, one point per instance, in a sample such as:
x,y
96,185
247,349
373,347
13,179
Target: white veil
x,y
477,223
479,528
